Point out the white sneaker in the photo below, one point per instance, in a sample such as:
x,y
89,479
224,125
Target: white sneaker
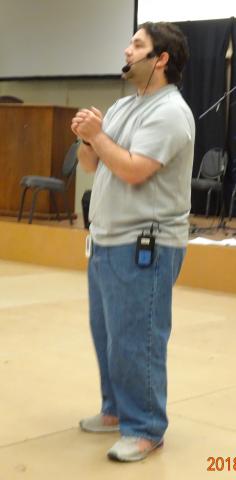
x,y
127,449
95,425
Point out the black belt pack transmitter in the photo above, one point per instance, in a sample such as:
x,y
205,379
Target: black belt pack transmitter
x,y
145,250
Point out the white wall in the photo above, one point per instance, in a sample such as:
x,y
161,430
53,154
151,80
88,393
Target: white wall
x,y
182,10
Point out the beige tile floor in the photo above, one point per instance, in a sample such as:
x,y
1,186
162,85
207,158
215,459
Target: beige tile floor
x,y
48,380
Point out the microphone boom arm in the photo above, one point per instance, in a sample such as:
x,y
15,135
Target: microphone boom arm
x,y
217,104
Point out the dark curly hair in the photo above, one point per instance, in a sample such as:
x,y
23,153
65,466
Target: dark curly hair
x,y
167,37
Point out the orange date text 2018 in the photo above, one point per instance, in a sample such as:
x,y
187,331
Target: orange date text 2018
x,y
220,464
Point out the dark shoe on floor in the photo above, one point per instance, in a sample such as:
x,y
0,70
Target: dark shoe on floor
x,y
127,449
95,425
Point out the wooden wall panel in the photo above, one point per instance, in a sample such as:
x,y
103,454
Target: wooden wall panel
x,y
33,141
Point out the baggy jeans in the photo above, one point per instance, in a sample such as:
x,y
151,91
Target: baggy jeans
x,y
130,318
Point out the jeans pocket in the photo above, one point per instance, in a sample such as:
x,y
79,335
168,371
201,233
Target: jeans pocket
x,y
122,263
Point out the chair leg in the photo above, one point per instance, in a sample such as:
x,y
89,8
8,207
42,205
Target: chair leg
x,y
22,203
232,204
208,203
217,203
54,202
33,204
67,208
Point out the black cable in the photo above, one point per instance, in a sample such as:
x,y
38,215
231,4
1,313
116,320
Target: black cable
x,y
150,77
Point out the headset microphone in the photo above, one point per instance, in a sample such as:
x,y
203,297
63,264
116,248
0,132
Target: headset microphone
x,y
127,67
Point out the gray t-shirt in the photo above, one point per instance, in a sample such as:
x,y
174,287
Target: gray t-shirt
x,y
159,126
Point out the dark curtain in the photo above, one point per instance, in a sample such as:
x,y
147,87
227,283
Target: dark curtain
x,y
204,82
231,171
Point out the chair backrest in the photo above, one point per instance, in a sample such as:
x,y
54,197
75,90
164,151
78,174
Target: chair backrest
x,y
213,165
70,162
10,99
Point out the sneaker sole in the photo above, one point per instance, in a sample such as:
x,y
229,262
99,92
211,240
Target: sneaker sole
x,y
135,458
102,429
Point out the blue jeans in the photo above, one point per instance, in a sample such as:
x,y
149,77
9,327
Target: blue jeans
x,y
130,317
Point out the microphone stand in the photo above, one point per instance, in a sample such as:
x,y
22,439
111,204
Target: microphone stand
x,y
216,106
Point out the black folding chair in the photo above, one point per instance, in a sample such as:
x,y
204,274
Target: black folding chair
x,y
210,176
54,185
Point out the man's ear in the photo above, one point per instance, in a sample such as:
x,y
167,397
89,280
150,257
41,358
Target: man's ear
x,y
163,59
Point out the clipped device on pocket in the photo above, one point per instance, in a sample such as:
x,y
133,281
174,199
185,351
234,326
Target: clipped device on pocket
x,y
145,250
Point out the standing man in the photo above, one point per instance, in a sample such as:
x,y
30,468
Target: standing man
x,y
142,153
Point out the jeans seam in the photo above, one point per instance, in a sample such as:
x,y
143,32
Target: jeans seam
x,y
150,327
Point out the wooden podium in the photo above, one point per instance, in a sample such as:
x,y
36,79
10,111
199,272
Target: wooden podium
x,y
33,141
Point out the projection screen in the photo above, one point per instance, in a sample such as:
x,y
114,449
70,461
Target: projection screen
x,y
64,38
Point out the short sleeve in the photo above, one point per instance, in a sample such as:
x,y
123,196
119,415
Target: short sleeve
x,y
162,135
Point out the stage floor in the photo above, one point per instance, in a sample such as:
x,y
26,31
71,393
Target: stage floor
x,y
212,228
